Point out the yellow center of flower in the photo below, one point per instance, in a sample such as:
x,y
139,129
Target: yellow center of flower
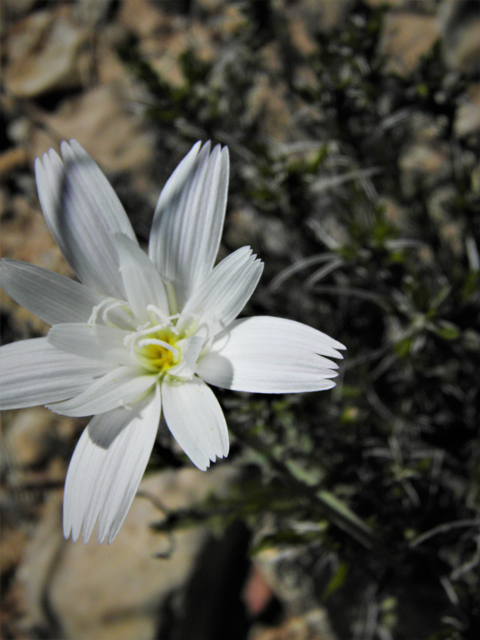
x,y
157,351
161,344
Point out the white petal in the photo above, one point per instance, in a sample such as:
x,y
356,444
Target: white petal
x,y
188,220
82,212
141,280
270,355
196,421
107,467
51,297
96,342
83,497
33,372
192,351
121,387
226,290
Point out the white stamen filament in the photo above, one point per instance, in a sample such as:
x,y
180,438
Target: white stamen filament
x,y
157,313
176,324
105,307
161,343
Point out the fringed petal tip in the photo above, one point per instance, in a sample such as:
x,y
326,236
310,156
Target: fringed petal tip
x,y
82,211
188,220
270,355
196,421
106,469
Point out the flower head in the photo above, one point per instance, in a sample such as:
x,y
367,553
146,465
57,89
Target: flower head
x,y
141,334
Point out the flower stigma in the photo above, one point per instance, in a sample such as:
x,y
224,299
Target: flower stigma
x,y
157,352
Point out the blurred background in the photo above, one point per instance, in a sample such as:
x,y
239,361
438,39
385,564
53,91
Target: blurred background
x,y
354,130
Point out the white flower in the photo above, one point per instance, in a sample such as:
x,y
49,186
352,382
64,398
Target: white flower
x,y
144,333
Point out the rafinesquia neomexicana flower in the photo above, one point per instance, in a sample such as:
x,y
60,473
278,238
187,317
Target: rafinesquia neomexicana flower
x,y
141,334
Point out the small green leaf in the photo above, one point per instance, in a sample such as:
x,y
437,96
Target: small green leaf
x,y
441,296
336,581
350,521
447,330
403,347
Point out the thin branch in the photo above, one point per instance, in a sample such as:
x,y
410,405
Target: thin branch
x,y
444,528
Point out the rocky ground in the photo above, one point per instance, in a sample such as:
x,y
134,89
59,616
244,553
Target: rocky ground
x,y
354,132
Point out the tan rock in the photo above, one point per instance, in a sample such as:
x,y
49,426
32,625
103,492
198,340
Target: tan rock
x,y
202,43
321,16
103,592
270,58
467,120
395,213
425,129
305,78
27,436
166,60
300,37
232,20
450,230
12,545
267,103
12,159
405,39
4,199
46,51
244,227
312,626
101,123
25,236
275,237
394,4
39,562
460,27
108,66
141,17
425,164
164,53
